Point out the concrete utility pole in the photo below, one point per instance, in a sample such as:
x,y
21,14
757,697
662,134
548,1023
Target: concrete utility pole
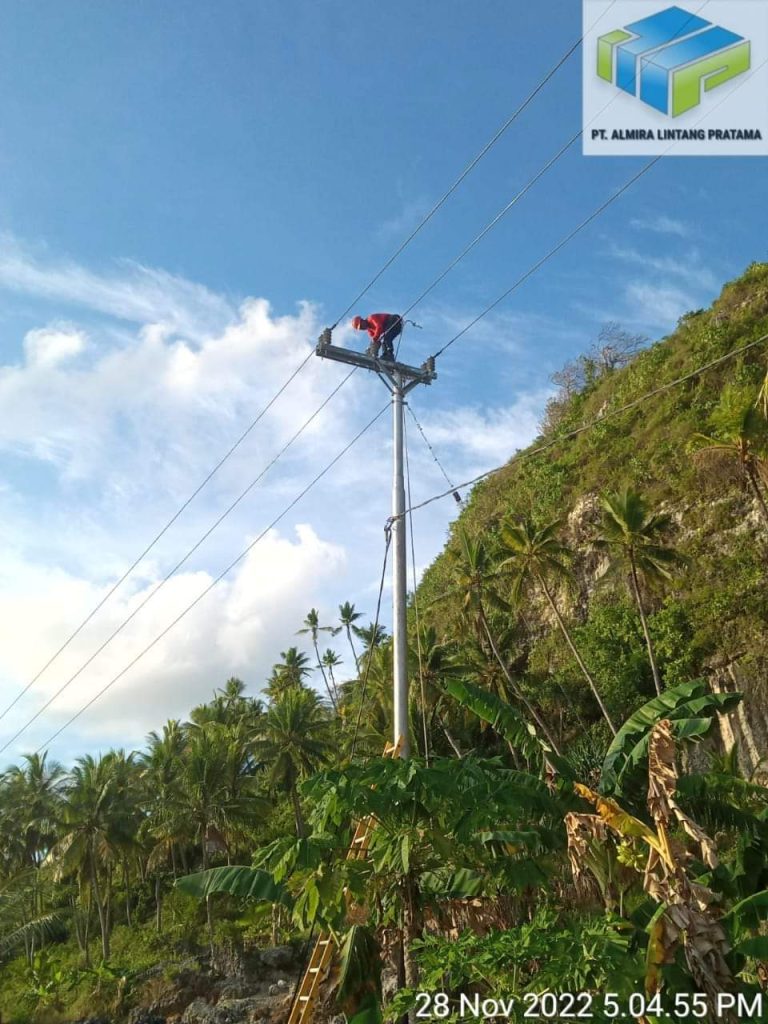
x,y
399,379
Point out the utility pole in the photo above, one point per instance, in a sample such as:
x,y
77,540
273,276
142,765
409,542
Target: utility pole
x,y
399,379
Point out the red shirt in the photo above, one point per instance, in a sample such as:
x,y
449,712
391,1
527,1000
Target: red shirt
x,y
378,323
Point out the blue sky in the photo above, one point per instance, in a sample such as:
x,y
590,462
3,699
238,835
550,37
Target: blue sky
x,y
190,192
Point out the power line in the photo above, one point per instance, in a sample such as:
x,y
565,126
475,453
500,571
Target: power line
x,y
596,213
295,373
596,421
520,281
552,252
495,220
298,369
524,190
470,167
154,592
219,578
432,452
158,536
580,227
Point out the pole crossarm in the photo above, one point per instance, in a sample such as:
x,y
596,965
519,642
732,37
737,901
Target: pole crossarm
x,y
409,375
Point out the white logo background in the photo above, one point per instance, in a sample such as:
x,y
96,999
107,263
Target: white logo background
x,y
741,103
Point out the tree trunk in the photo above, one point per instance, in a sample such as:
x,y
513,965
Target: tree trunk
x,y
449,737
646,633
29,949
354,652
108,899
575,653
301,828
128,893
158,905
100,908
757,492
208,907
411,921
87,937
76,915
516,691
334,698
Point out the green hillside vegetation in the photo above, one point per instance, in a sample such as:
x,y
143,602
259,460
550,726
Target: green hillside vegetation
x,y
585,810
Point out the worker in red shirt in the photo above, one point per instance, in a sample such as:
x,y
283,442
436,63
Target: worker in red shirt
x,y
383,329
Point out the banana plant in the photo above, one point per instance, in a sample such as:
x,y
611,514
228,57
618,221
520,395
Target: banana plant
x,y
688,937
692,710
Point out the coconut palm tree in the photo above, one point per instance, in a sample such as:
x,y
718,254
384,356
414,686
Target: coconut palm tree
x,y
290,672
35,788
331,660
95,818
634,536
367,703
536,558
217,794
314,629
229,704
30,807
472,570
295,741
217,791
372,636
164,829
348,617
740,436
437,662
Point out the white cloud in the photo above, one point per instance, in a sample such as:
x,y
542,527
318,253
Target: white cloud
x,y
105,437
49,346
507,331
159,401
688,268
487,437
405,220
658,305
130,292
662,224
236,629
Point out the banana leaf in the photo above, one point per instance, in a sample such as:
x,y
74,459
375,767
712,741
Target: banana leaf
x,y
691,708
751,910
756,946
359,988
454,885
245,882
507,721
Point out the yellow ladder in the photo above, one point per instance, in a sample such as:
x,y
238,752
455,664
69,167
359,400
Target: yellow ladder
x,y
325,947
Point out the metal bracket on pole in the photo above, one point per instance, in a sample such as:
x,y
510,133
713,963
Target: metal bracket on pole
x,y
423,374
399,378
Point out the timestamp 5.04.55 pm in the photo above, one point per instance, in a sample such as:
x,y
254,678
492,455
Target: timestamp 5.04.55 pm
x,y
575,1006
